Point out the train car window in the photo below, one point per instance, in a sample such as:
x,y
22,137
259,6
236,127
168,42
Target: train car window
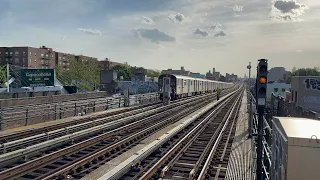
x,y
166,81
160,81
185,83
191,82
173,82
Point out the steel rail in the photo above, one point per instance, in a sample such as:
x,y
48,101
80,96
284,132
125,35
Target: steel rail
x,y
22,143
203,151
192,141
216,138
58,153
29,132
155,167
164,140
215,146
26,133
29,151
82,162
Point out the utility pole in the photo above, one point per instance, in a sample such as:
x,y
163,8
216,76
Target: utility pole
x,y
8,78
261,95
249,67
250,128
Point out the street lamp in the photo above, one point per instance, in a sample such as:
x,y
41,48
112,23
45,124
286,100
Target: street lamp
x,y
249,67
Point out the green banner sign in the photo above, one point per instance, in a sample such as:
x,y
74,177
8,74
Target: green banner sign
x,y
37,77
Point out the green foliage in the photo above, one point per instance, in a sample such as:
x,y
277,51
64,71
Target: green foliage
x,y
153,73
128,71
304,72
83,74
123,71
2,76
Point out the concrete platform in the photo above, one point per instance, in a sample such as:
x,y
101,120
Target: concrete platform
x,y
241,164
98,173
58,121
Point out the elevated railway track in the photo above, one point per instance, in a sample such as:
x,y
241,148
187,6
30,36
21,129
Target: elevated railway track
x,y
76,150
200,151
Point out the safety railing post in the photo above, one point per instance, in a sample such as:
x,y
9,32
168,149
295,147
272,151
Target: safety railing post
x,y
60,112
27,112
1,120
75,109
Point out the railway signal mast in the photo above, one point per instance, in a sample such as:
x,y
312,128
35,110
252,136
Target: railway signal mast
x,y
261,95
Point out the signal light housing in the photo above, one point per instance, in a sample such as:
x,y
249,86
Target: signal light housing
x,y
261,86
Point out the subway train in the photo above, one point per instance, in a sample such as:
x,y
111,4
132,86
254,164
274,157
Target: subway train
x,y
184,86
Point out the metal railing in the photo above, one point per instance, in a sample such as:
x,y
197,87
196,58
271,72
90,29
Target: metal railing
x,y
267,136
283,107
30,114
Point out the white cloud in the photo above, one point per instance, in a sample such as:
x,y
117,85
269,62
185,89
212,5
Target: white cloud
x,y
177,18
201,33
220,33
90,31
215,26
203,17
218,30
237,8
283,10
147,20
154,35
63,37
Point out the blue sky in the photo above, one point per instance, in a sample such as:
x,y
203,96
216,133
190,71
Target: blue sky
x,y
161,34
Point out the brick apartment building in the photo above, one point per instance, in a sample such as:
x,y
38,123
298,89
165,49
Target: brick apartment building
x,y
30,57
62,59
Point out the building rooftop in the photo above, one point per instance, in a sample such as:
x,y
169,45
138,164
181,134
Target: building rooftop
x,y
300,127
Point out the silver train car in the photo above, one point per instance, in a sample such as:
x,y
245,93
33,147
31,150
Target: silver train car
x,y
184,86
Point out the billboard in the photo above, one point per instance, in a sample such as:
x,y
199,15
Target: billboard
x,y
37,77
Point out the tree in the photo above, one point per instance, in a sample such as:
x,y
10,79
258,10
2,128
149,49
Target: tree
x,y
2,76
303,72
83,74
153,73
123,71
135,70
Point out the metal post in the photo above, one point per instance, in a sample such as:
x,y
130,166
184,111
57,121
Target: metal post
x,y
107,105
250,118
75,109
55,111
60,112
136,100
261,89
260,146
27,116
126,97
94,106
1,119
8,76
249,67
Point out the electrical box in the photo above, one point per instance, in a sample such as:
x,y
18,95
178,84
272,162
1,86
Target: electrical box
x,y
295,149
